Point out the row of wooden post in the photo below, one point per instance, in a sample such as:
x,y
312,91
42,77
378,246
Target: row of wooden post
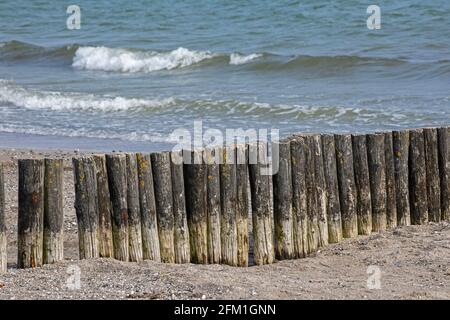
x,y
193,206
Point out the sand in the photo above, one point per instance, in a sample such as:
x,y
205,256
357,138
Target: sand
x,y
414,263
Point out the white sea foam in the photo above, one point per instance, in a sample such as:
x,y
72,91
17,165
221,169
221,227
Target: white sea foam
x,y
123,60
31,99
236,58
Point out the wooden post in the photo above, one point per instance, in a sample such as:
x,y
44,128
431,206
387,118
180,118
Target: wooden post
x,y
3,238
347,185
444,170
242,207
104,208
282,201
228,194
164,204
417,178
86,206
134,210
150,238
401,156
261,204
212,160
311,196
53,211
377,172
181,230
362,180
332,186
31,213
432,174
391,205
116,165
196,205
299,201
321,192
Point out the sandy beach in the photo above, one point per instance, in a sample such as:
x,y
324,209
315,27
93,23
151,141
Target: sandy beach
x,y
414,262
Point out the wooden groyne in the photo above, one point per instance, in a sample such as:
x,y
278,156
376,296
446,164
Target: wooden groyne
x,y
208,206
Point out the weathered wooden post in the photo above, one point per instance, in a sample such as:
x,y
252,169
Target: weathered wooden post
x,y
196,205
181,230
432,173
211,157
86,206
401,158
150,238
164,204
362,180
417,178
31,213
377,172
311,195
444,171
134,210
282,201
391,205
3,238
321,191
242,206
347,185
104,208
332,186
299,195
53,211
116,165
228,194
261,205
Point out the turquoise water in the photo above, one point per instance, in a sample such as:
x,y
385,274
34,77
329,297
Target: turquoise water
x,y
138,70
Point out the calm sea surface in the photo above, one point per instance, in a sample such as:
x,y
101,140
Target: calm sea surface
x,y
138,70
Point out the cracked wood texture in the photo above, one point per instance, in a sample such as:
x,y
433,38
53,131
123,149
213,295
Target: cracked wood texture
x,y
116,165
417,178
53,211
86,206
31,213
401,173
134,210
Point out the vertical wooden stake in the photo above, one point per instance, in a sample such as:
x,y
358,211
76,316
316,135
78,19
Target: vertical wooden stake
x,y
116,165
311,195
377,172
299,201
261,204
212,160
332,186
134,210
321,192
432,173
347,185
181,230
401,157
86,206
417,178
53,211
31,213
391,192
242,207
444,171
104,208
164,204
228,194
3,238
150,238
282,200
362,180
